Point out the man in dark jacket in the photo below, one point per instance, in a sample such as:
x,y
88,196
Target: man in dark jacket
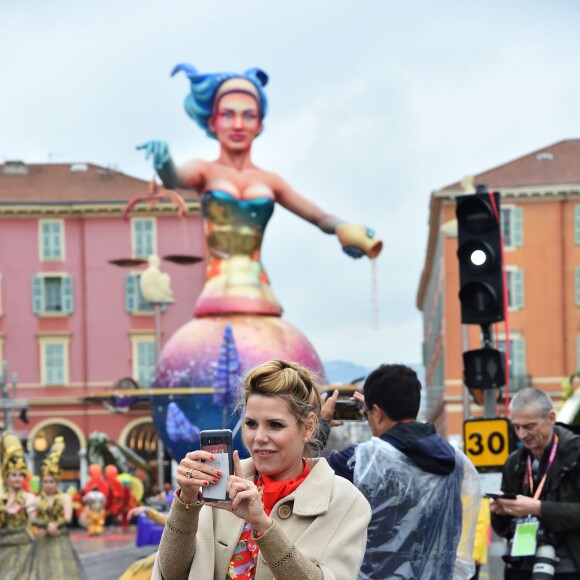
x,y
545,474
424,493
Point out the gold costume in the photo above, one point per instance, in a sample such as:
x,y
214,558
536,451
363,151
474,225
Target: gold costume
x,y
17,550
55,556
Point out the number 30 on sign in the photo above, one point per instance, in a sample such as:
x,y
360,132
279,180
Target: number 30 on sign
x,y
486,441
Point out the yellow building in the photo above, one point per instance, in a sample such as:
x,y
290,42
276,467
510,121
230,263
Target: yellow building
x,y
540,220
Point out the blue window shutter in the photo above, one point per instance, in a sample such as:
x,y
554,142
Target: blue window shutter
x,y
57,240
130,293
518,226
54,363
37,294
518,357
518,288
143,235
577,224
67,294
145,363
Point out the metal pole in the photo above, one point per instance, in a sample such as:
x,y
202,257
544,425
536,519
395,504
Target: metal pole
x,y
465,394
160,446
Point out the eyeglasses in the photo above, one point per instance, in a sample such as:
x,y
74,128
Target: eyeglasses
x,y
366,413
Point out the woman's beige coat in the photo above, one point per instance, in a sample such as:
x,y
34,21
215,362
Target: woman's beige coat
x,y
319,531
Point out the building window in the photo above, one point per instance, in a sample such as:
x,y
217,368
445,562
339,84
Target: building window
x,y
134,300
144,361
512,226
52,294
515,288
577,285
54,361
51,240
143,237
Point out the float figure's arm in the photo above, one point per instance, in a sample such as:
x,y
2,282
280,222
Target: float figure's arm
x,y
356,240
189,176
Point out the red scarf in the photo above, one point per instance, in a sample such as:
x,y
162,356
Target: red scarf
x,y
243,563
273,491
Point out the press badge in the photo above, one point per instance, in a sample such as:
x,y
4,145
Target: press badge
x,y
526,537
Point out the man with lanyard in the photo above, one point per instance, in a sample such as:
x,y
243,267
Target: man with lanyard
x,y
544,474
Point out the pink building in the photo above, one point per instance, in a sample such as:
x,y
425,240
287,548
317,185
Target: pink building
x,y
71,323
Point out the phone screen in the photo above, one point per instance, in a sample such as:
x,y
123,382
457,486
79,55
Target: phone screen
x,y
216,443
347,410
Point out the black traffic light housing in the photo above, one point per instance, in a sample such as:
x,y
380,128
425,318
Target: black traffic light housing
x,y
480,258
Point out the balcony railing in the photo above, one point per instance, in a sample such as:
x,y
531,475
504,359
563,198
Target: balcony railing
x,y
517,383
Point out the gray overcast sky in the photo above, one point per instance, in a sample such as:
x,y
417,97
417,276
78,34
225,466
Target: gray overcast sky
x,y
373,105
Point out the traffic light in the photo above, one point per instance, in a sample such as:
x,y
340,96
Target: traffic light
x,y
480,259
483,368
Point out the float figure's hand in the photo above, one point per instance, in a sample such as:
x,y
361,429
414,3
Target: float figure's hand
x,y
159,150
356,252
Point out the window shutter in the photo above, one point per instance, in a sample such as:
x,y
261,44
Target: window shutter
x,y
130,292
54,364
37,294
46,241
67,294
518,288
577,285
518,226
577,224
519,357
145,363
56,240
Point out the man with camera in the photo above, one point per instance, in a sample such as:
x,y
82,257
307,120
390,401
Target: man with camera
x,y
424,493
542,523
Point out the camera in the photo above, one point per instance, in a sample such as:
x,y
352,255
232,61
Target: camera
x,y
544,561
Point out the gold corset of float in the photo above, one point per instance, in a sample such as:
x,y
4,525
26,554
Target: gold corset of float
x,y
236,280
234,226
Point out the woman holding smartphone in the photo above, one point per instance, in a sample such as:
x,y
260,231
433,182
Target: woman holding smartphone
x,y
289,517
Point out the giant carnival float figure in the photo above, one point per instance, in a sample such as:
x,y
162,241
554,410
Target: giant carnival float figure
x,y
237,199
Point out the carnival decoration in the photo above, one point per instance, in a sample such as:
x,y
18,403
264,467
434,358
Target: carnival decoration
x,y
178,427
227,375
51,463
237,200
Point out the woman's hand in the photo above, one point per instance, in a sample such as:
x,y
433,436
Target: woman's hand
x,y
159,150
193,474
245,501
40,533
52,529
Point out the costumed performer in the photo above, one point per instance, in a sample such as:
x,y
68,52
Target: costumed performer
x,y
237,197
55,555
16,508
289,516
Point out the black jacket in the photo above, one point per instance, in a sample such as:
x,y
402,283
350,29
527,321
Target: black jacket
x,y
561,497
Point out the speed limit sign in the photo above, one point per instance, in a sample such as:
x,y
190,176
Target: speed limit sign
x,y
486,441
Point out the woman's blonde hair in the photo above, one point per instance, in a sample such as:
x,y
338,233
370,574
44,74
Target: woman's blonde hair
x,y
289,381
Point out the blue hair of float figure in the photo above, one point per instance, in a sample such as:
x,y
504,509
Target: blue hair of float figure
x,y
199,104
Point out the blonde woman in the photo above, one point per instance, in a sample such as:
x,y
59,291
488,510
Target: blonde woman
x,y
289,516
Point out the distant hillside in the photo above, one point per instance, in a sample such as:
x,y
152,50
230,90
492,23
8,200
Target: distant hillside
x,y
344,372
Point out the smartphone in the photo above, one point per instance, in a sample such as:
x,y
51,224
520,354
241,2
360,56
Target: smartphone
x,y
501,496
219,443
347,410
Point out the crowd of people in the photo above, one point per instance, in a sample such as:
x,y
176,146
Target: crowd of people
x,y
403,504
